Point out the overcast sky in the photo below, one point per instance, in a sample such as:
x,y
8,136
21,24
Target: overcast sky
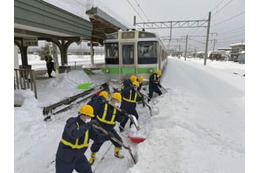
x,y
228,18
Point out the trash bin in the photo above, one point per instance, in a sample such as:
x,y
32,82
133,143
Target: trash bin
x,y
64,69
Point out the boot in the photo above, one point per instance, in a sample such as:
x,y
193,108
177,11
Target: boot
x,y
92,158
117,153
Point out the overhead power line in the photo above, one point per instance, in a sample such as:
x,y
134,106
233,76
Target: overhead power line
x,y
242,27
229,19
142,10
216,7
135,10
232,33
217,12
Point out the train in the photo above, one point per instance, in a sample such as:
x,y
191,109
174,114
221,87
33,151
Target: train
x,y
133,52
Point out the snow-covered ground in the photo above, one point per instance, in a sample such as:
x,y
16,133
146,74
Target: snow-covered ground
x,y
200,126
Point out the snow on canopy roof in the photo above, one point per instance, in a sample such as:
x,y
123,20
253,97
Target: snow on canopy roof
x,y
236,44
77,8
224,48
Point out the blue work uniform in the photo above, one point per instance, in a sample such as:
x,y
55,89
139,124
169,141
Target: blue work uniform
x,y
154,84
126,83
73,145
106,118
140,85
95,103
129,98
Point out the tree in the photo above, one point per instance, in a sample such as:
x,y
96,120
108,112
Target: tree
x,y
43,51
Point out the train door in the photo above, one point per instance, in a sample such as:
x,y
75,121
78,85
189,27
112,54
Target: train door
x,y
128,59
160,57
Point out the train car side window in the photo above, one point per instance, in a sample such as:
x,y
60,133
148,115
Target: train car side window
x,y
111,53
128,54
147,52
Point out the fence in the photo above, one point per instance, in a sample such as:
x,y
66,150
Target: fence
x,y
25,79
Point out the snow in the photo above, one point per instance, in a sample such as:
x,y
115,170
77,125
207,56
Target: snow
x,y
77,8
200,125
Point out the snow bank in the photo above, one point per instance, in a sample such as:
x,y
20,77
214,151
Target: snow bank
x,y
198,129
69,80
176,144
27,123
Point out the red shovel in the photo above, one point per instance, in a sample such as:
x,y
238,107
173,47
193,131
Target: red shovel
x,y
136,139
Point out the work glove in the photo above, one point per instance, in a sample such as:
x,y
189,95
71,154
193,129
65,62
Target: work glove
x,y
159,85
103,100
93,121
109,136
123,112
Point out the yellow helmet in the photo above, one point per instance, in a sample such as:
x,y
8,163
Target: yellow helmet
x,y
132,78
104,94
135,83
159,72
117,96
140,78
87,110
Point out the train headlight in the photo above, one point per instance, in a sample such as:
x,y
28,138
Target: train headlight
x,y
107,70
150,70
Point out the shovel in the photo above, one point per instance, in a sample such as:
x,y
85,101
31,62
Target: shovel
x,y
117,141
131,117
144,102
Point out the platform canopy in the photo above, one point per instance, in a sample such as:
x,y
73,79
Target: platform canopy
x,y
39,19
103,24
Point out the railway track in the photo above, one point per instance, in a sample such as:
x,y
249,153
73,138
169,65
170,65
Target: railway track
x,y
67,103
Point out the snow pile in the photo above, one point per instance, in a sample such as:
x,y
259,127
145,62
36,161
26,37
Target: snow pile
x,y
198,129
175,142
70,80
28,121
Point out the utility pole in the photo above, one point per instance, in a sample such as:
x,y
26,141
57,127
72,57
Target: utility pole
x,y
134,20
207,39
170,36
214,41
195,51
179,51
186,47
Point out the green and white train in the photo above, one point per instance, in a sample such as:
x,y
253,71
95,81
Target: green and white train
x,y
133,52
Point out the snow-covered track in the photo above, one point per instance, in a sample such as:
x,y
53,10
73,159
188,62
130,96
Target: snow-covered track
x,y
65,104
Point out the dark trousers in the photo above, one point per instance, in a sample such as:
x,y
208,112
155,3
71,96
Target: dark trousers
x,y
153,88
97,144
50,67
67,161
130,109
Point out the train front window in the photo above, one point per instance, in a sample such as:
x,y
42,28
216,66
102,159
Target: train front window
x,y
128,54
147,52
111,56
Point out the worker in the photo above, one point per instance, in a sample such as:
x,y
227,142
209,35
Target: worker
x,y
97,99
128,82
49,64
154,84
140,79
75,140
130,96
106,118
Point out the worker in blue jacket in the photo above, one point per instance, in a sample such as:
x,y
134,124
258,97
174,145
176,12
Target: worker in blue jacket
x,y
128,82
96,101
106,118
75,141
130,96
140,79
154,84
